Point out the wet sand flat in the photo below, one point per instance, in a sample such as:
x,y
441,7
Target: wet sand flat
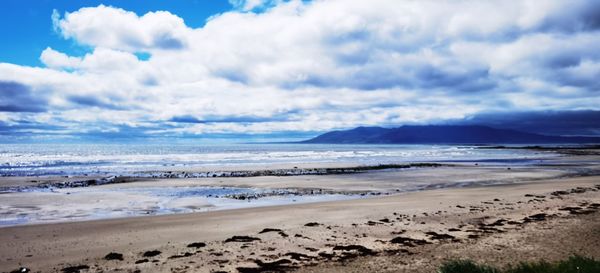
x,y
166,196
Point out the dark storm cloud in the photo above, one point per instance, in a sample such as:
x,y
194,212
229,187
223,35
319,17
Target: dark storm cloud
x,y
17,97
584,122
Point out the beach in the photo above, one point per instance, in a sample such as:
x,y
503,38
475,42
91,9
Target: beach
x,y
263,136
391,220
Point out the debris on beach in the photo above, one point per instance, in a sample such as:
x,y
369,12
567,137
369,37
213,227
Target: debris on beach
x,y
113,256
241,239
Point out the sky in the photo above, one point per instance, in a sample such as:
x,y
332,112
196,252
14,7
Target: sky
x,y
293,69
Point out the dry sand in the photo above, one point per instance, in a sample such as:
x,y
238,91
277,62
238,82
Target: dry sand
x,y
541,212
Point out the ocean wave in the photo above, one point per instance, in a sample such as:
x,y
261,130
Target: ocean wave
x,y
117,159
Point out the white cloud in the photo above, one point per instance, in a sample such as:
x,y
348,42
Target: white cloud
x,y
54,59
319,65
124,30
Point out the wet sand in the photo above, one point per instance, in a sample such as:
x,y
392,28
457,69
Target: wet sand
x,y
165,196
522,213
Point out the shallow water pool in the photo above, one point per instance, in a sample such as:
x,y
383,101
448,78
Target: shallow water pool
x,y
89,203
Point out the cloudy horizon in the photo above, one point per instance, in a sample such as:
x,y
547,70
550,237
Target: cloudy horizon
x,y
292,69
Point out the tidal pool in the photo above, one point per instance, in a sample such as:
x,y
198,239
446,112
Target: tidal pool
x,y
115,201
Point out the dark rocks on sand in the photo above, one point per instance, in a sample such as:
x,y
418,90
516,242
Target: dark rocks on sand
x,y
151,253
113,256
586,211
571,209
281,265
397,252
488,229
75,269
187,254
299,256
269,230
274,263
312,224
351,252
197,245
405,241
540,196
437,236
579,210
557,193
141,261
358,248
326,255
497,223
535,217
579,190
242,239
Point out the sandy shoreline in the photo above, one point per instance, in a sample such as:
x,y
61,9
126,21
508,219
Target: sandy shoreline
x,y
167,196
383,232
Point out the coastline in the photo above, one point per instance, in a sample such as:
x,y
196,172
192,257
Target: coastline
x,y
18,182
46,203
326,236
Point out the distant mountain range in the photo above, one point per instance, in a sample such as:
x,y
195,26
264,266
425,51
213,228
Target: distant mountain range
x,y
442,134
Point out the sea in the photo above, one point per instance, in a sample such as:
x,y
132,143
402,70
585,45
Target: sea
x,y
131,159
32,204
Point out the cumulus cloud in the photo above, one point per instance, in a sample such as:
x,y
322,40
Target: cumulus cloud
x,y
270,66
115,28
54,59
